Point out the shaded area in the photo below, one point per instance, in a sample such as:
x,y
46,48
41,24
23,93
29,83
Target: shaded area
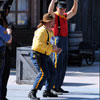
x,y
72,98
76,84
85,68
82,74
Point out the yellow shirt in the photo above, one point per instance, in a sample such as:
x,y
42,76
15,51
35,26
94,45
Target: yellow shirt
x,y
40,41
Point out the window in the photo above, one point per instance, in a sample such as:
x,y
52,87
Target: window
x,y
19,13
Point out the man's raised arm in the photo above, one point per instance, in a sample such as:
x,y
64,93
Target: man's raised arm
x,y
51,7
73,10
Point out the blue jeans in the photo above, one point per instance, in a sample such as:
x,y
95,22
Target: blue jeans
x,y
62,60
46,69
2,64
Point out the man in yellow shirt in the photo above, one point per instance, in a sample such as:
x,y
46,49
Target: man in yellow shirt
x,y
41,49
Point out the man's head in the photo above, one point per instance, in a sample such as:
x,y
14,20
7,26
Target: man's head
x,y
48,19
1,2
61,7
1,9
4,10
61,4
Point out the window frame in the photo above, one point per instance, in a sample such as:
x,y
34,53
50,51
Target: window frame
x,y
16,12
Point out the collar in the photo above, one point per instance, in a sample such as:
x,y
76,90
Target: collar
x,y
62,16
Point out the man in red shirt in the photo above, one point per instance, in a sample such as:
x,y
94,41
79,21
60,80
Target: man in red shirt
x,y
61,35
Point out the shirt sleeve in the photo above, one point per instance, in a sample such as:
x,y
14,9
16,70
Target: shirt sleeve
x,y
3,34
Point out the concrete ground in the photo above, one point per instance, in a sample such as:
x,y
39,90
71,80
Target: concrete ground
x,y
81,82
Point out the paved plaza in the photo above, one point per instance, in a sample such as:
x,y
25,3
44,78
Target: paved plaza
x,y
81,82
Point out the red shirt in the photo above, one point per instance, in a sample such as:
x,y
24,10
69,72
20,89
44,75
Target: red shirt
x,y
63,25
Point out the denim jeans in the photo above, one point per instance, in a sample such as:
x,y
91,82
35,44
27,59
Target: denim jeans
x,y
2,65
62,60
46,69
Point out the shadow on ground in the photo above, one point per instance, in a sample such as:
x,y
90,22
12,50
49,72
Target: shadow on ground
x,y
72,98
76,84
85,69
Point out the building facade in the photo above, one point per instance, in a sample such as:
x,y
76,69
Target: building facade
x,y
26,14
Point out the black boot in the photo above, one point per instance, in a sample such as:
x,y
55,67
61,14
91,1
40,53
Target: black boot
x,y
59,91
47,93
32,95
63,91
55,91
